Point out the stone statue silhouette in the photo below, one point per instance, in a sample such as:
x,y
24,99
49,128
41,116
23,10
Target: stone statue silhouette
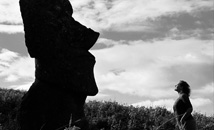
x,y
64,67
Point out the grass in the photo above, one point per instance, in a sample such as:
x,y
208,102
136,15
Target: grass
x,y
106,115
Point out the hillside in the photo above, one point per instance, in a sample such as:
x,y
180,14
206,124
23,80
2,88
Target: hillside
x,y
108,115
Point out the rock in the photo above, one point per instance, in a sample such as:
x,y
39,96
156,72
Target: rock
x,y
64,66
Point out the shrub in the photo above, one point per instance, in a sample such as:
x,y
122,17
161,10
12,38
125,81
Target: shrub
x,y
108,115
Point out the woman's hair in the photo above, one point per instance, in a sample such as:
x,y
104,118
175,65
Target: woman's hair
x,y
185,87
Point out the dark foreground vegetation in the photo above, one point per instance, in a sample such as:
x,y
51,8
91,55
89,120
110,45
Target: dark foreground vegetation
x,y
106,115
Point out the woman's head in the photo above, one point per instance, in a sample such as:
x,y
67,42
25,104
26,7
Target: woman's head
x,y
183,87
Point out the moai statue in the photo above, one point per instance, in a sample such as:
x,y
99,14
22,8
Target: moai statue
x,y
64,74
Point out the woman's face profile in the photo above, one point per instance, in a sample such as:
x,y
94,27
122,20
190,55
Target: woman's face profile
x,y
178,88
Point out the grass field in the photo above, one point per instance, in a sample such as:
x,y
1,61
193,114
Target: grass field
x,y
106,115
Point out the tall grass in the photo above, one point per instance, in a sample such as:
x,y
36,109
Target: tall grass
x,y
106,115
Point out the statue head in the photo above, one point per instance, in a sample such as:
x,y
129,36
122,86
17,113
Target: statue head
x,y
56,8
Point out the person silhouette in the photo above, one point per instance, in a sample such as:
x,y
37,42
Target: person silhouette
x,y
183,107
64,66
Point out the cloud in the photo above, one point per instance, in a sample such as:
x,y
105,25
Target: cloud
x,y
99,96
14,67
117,15
7,56
197,104
125,15
11,78
104,43
167,103
203,105
206,90
11,29
150,69
24,86
10,12
174,42
10,16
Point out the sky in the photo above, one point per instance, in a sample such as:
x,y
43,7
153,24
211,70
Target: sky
x,y
144,49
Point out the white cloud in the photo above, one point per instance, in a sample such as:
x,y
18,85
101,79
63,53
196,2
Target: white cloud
x,y
11,78
10,12
138,83
144,64
203,105
14,67
118,15
126,15
78,3
7,56
166,103
197,104
133,67
99,96
24,86
208,89
107,42
10,16
11,28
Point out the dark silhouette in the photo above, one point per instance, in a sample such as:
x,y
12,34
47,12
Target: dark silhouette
x,y
183,107
64,66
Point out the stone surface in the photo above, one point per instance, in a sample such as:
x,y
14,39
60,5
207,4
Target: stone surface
x,y
64,66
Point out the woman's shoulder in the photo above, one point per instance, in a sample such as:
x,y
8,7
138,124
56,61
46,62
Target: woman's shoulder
x,y
184,97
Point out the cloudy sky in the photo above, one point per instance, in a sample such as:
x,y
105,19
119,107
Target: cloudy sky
x,y
145,48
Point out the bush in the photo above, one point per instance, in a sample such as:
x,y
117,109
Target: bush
x,y
9,103
114,116
108,115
